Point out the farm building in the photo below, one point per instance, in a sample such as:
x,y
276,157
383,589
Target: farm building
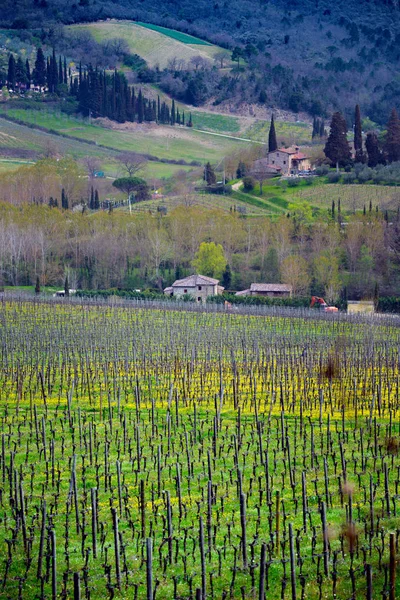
x,y
289,161
198,286
273,290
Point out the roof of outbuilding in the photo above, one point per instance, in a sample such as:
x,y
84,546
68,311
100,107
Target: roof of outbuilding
x,y
194,280
270,287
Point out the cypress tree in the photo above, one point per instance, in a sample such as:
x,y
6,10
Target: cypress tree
x,y
322,129
190,123
11,72
272,142
140,107
173,118
39,72
96,200
392,143
20,73
158,109
64,200
91,203
373,150
66,286
337,147
358,144
183,118
209,175
60,71
37,286
28,74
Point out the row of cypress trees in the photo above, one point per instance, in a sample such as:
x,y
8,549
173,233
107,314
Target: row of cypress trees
x,y
376,151
99,94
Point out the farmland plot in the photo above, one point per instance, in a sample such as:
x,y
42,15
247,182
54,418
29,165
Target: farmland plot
x,y
165,454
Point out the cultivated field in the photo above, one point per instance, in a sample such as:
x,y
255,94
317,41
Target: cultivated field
x,y
177,143
164,454
157,45
352,197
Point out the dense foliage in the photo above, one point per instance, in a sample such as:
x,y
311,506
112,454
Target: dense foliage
x,y
308,55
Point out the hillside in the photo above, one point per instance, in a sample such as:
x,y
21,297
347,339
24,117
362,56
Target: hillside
x,y
307,56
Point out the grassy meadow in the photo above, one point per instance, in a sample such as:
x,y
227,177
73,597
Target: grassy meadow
x,y
156,45
165,454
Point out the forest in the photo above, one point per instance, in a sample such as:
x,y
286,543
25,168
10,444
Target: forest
x,y
310,56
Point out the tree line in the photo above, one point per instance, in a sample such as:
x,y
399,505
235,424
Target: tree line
x,y
98,93
374,150
110,249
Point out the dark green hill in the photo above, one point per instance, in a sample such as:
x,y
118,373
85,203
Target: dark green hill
x,y
302,55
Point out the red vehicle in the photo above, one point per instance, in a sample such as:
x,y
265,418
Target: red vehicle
x,y
322,304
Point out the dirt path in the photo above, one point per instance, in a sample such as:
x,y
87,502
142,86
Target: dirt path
x,y
230,137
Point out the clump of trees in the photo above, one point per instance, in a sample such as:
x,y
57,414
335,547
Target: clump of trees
x,y
374,151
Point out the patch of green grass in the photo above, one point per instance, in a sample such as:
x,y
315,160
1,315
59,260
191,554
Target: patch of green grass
x,y
287,132
177,143
154,46
175,35
215,122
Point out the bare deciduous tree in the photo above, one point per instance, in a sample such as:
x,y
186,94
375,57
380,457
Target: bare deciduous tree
x,y
132,162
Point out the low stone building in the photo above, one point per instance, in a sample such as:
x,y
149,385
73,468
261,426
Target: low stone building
x,y
273,290
198,286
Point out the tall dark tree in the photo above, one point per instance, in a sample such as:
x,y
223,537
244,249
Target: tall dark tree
x,y
28,73
39,72
20,73
37,286
272,142
96,200
11,80
358,142
64,200
337,148
227,277
392,142
66,287
373,149
209,175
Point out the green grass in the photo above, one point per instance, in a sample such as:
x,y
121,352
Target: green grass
x,y
287,132
154,46
175,35
161,141
149,406
215,122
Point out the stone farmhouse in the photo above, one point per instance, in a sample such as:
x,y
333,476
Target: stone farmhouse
x,y
273,290
289,161
198,286
284,161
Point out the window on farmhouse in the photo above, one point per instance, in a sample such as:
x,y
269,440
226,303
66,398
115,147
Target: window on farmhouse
x,y
199,288
199,299
185,291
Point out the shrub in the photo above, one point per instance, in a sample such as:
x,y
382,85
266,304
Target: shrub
x,y
248,183
334,177
349,178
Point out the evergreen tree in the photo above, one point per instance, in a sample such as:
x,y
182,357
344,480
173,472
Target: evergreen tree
x,y
96,200
20,73
333,209
39,72
91,203
37,286
66,287
60,71
358,144
392,143
241,171
209,175
337,147
373,150
140,107
173,117
227,277
28,74
272,142
64,200
190,122
11,72
322,129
